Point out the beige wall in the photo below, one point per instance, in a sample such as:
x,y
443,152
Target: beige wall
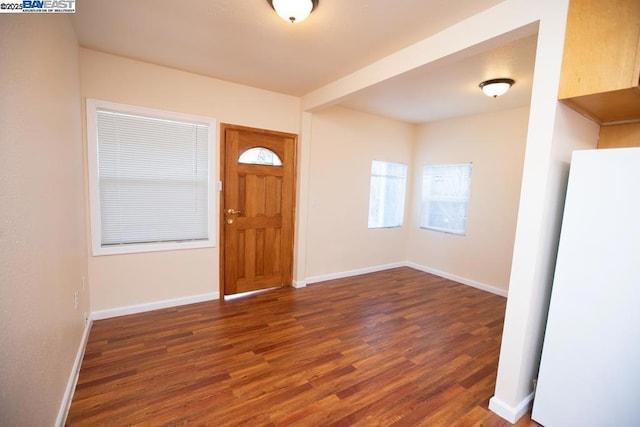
x,y
124,280
343,144
42,231
495,144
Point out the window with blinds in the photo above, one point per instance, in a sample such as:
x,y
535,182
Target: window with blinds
x,y
445,197
149,179
387,194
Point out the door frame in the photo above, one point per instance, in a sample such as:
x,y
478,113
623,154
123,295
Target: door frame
x,y
221,268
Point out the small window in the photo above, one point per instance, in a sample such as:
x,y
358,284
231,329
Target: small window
x,y
445,197
260,156
387,194
149,179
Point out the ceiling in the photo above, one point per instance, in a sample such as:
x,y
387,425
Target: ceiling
x,y
245,42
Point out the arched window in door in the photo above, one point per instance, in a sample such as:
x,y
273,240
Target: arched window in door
x,y
260,156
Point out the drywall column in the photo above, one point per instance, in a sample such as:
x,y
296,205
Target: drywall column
x,y
539,218
302,202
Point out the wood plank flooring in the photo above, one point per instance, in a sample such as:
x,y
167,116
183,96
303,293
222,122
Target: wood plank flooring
x,y
394,348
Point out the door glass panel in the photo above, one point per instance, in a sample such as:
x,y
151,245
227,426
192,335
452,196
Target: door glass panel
x,y
260,156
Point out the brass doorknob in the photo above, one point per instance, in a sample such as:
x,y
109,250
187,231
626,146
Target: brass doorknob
x,y
233,212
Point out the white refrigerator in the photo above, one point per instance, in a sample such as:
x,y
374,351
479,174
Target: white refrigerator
x,y
590,367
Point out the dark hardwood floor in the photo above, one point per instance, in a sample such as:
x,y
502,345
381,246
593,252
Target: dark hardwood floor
x,y
399,347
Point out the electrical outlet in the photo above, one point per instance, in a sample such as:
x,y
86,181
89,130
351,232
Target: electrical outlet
x,y
75,299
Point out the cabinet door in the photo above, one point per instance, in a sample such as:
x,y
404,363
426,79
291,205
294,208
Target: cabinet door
x,y
601,62
601,47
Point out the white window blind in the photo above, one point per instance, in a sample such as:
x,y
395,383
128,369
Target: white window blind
x,y
387,194
152,180
445,197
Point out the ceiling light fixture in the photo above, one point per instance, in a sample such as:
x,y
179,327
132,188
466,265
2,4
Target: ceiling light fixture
x,y
496,87
293,10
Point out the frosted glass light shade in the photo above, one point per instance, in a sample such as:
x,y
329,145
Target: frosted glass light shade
x,y
293,10
496,87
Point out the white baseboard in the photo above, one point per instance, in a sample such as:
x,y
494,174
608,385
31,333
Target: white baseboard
x,y
344,274
73,378
299,284
141,308
463,280
510,413
358,272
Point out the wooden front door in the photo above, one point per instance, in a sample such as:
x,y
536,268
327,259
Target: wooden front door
x,y
258,170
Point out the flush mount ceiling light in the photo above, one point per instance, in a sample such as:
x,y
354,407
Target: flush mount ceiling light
x,y
496,87
293,10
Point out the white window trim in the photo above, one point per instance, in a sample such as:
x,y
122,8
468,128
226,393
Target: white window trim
x,y
92,106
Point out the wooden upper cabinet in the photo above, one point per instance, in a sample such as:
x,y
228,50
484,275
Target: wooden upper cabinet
x,y
601,63
620,136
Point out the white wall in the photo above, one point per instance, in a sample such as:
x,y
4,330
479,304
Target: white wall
x,y
42,233
343,144
494,143
127,280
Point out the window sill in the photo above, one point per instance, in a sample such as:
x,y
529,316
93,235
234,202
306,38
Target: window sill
x,y
151,247
445,230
